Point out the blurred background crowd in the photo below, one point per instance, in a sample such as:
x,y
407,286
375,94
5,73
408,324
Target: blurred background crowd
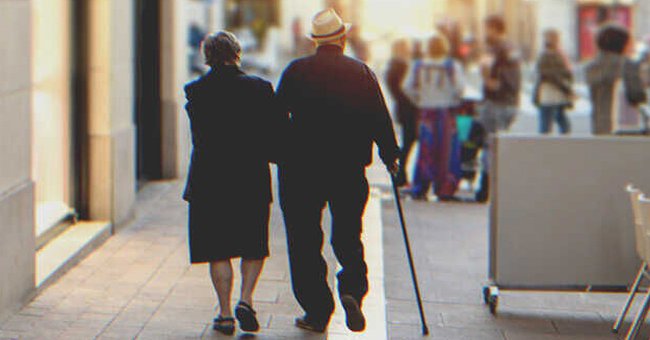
x,y
544,51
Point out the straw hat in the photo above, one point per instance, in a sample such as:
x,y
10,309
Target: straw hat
x,y
327,26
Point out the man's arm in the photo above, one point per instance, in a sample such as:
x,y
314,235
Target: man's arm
x,y
281,107
383,132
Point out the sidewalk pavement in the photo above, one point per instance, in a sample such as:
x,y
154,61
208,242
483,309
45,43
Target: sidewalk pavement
x,y
451,253
140,284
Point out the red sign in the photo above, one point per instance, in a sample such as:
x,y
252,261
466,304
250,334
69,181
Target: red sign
x,y
591,17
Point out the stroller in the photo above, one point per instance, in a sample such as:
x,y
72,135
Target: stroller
x,y
471,136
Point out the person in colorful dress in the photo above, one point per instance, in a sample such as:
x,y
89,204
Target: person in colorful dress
x,y
436,85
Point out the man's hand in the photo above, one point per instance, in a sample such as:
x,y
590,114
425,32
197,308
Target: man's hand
x,y
393,168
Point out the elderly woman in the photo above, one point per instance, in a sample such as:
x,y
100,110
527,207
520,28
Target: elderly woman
x,y
228,189
614,80
436,86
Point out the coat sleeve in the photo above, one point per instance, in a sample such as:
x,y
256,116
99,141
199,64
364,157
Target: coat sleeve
x,y
382,129
510,77
276,124
187,192
634,89
603,72
190,109
282,106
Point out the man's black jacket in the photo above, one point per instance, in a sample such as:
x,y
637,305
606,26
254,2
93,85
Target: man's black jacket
x,y
337,111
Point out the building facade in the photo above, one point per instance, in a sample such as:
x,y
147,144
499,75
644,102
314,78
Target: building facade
x,y
90,109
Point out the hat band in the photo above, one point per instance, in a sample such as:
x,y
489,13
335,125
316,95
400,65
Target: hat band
x,y
329,35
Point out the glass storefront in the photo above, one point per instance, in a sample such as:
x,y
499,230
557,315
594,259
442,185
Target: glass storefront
x,y
51,106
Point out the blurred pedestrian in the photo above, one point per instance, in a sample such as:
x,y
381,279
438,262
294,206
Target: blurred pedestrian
x,y
501,85
358,44
644,66
436,86
553,92
226,178
337,112
614,80
404,109
453,32
296,31
195,37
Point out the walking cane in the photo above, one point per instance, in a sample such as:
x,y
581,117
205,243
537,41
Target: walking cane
x,y
425,328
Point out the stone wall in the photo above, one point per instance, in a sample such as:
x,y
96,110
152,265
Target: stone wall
x,y
16,187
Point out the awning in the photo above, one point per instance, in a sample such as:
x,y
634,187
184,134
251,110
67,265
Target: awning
x,y
607,2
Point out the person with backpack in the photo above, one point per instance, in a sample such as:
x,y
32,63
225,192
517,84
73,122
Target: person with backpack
x,y
553,91
436,86
614,80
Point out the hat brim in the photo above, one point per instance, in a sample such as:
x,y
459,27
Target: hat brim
x,y
333,37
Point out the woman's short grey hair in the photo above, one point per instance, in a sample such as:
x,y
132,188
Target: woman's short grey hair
x,y
221,48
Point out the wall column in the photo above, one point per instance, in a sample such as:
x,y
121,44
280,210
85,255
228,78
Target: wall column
x,y
16,185
173,74
111,129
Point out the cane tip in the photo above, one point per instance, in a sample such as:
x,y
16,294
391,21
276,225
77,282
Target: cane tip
x,y
425,330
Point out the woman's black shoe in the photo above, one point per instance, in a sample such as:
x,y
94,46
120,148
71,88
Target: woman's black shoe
x,y
354,318
224,325
307,324
246,316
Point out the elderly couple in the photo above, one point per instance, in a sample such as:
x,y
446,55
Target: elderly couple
x,y
319,128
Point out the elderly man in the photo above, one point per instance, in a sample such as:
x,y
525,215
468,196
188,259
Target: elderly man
x,y
337,111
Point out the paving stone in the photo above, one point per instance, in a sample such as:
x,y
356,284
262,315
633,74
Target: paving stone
x,y
9,335
449,242
120,332
411,332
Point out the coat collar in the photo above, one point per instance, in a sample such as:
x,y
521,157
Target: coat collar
x,y
224,70
329,50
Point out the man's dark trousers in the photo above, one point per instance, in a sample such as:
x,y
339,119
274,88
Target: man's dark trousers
x,y
304,194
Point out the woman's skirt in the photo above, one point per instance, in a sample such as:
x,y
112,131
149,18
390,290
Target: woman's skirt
x,y
439,155
224,230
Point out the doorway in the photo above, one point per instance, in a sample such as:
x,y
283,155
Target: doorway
x,y
147,86
52,124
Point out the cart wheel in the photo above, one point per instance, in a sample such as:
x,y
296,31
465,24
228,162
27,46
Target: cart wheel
x,y
493,303
486,294
491,297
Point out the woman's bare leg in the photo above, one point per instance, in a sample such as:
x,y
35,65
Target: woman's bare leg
x,y
221,273
250,272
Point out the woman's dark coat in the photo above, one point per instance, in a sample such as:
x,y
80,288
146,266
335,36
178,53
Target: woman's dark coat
x,y
235,129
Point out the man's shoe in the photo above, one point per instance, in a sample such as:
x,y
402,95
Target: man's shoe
x,y
354,318
310,325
